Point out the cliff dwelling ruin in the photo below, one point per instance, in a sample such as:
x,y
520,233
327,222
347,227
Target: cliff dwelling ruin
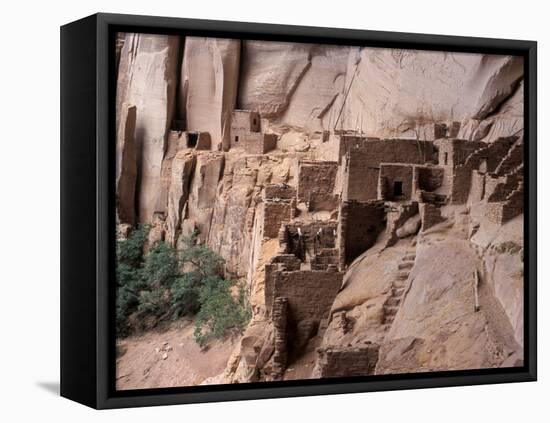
x,y
354,217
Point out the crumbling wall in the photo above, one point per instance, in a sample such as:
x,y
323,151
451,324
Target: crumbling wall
x,y
359,227
396,215
279,191
288,262
259,143
325,258
280,323
512,160
363,163
430,215
276,212
506,201
316,180
310,294
453,152
347,361
485,159
504,211
305,239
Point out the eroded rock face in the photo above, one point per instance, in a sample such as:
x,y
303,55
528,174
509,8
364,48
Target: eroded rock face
x,y
202,196
181,170
148,79
237,202
395,92
208,86
126,164
437,318
270,74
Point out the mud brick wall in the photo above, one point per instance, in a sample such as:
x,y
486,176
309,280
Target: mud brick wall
x,y
485,159
275,213
316,184
347,361
363,163
347,142
310,294
325,258
280,262
455,151
280,323
505,185
258,143
503,211
360,225
513,159
242,123
390,173
279,191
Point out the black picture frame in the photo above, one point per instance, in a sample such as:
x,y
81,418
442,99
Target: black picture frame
x,y
88,221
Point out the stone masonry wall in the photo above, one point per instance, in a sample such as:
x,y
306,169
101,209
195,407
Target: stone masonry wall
x,y
391,173
259,143
359,227
279,191
485,159
363,163
242,123
430,215
280,323
276,212
396,215
316,184
305,239
347,361
310,294
288,262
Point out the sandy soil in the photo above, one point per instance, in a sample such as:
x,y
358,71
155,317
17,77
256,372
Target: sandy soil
x,y
168,358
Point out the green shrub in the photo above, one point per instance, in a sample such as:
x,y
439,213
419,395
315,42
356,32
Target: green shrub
x,y
128,274
220,313
130,250
165,283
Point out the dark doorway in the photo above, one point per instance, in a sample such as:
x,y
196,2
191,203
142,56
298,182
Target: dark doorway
x,y
236,138
397,188
192,138
445,158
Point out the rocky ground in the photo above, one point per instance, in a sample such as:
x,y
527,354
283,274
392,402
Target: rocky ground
x,y
168,357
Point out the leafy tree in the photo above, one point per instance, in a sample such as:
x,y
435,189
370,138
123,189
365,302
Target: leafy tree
x,y
166,283
128,273
220,313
